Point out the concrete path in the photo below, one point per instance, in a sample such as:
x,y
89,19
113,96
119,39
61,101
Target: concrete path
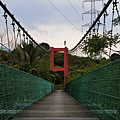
x,y
56,106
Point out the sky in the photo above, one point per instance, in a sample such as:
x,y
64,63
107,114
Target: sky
x,y
52,24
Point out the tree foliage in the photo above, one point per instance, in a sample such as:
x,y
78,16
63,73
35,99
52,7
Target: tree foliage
x,y
81,65
116,21
31,59
97,44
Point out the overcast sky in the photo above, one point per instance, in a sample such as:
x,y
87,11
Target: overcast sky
x,y
45,24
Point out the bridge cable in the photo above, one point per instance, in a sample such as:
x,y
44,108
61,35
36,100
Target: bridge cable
x,y
6,23
94,23
117,10
20,26
5,47
14,34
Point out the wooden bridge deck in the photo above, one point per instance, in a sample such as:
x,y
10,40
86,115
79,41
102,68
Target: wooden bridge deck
x,y
56,106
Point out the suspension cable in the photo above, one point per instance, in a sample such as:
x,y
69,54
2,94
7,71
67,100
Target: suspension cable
x,y
6,23
117,10
104,21
19,34
13,25
94,23
22,28
5,47
111,32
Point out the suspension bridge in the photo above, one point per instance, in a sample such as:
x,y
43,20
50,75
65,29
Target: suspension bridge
x,y
92,96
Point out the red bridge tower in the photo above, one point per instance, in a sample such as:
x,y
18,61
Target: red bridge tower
x,y
65,68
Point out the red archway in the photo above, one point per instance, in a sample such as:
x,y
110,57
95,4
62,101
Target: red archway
x,y
65,68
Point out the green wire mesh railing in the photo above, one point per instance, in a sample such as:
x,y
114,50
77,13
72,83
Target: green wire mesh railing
x,y
99,91
19,90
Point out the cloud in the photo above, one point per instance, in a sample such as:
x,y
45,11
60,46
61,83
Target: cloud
x,y
55,35
45,24
42,12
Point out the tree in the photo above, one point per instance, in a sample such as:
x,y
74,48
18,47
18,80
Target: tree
x,y
28,53
45,45
94,45
115,56
116,21
59,59
97,44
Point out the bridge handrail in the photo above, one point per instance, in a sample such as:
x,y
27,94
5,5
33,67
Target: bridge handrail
x,y
18,90
99,90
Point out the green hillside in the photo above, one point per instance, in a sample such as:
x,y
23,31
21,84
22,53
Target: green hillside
x,y
31,59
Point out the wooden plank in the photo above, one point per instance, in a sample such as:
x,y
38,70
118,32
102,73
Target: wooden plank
x,y
56,106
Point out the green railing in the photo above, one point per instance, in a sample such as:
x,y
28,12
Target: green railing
x,y
99,91
19,90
